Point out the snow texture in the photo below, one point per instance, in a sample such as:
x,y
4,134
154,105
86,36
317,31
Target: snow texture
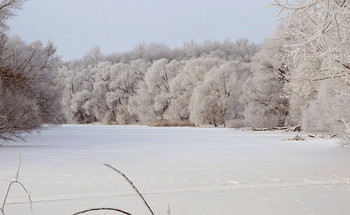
x,y
202,171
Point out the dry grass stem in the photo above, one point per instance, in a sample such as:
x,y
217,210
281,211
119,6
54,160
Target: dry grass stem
x,y
12,183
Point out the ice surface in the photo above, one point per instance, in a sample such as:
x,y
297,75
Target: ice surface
x,y
204,171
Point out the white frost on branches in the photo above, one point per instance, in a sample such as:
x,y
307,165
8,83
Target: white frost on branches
x,y
317,34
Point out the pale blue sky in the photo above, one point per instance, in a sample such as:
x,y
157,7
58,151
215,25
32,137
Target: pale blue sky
x,y
75,26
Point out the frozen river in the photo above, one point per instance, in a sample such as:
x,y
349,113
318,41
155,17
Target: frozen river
x,y
196,171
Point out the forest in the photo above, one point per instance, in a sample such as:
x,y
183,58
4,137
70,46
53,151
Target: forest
x,y
297,77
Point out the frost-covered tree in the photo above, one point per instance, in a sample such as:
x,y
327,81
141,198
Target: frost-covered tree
x,y
152,99
316,32
123,88
76,85
28,93
7,10
27,75
114,85
216,101
183,85
266,94
97,105
93,56
36,63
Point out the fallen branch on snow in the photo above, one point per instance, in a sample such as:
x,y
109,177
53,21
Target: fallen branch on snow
x,y
296,128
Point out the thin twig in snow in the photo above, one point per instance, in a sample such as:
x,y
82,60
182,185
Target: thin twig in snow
x,y
133,186
103,209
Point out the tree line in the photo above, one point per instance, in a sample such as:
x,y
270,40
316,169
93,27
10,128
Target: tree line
x,y
298,76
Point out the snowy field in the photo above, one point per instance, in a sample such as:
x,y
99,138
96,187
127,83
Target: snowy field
x,y
197,171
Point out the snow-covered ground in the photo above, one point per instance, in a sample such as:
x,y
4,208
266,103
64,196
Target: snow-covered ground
x,y
197,171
